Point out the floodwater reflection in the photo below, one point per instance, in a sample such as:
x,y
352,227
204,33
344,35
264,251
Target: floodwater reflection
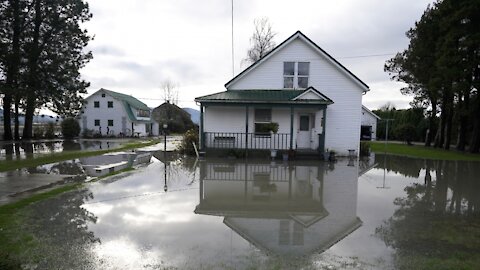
x,y
176,212
285,209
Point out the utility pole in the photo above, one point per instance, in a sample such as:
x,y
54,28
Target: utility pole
x,y
233,54
386,132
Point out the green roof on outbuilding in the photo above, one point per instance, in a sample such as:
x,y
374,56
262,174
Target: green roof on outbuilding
x,y
137,104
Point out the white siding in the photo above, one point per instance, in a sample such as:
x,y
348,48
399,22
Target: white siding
x,y
343,117
103,114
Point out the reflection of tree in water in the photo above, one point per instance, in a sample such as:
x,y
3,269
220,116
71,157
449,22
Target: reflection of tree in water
x,y
59,227
438,222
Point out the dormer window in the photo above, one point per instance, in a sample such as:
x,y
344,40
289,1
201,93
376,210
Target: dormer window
x,y
143,113
295,74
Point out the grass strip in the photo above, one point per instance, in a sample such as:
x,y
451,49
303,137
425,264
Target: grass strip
x,y
68,155
422,152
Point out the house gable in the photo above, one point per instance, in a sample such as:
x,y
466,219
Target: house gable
x,y
365,109
299,53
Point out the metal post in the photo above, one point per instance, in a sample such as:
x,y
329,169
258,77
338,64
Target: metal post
x,y
246,129
386,132
202,135
291,127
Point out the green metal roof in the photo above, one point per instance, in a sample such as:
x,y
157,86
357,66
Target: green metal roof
x,y
128,102
263,96
137,104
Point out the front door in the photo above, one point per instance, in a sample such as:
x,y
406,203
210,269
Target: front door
x,y
304,131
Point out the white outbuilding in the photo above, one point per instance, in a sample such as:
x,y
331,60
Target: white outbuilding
x,y
110,113
369,125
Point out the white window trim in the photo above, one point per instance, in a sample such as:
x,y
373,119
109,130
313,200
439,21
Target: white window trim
x,y
295,75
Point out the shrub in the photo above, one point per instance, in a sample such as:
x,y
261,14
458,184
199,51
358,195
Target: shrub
x,y
38,132
406,132
191,136
364,149
87,133
50,131
70,128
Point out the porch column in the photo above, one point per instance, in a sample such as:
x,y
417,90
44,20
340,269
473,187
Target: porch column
x,y
321,138
246,127
291,127
201,140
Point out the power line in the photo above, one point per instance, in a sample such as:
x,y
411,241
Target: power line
x,y
367,55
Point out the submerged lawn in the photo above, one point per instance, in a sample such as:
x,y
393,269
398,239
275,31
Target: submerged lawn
x,y
422,152
56,157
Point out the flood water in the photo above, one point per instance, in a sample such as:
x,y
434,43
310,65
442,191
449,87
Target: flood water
x,y
252,214
22,150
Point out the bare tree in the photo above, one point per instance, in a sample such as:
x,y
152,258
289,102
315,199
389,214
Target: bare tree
x,y
170,91
261,40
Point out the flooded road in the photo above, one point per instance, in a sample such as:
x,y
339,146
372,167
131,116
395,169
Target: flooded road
x,y
178,213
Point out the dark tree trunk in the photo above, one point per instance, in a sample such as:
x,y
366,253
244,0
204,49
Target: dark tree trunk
x,y
440,136
12,70
7,118
475,140
463,122
448,125
30,109
431,124
32,74
17,133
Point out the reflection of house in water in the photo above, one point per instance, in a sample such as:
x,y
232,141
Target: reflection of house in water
x,y
290,208
112,162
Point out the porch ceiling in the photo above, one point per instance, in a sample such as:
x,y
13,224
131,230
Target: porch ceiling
x,y
264,96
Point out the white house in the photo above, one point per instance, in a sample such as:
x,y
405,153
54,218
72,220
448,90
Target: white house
x,y
313,100
369,125
111,113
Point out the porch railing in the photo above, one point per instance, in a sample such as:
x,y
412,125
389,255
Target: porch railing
x,y
233,140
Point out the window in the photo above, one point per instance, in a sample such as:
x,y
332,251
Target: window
x,y
263,115
288,74
96,104
263,122
110,123
295,74
97,122
103,95
110,104
303,72
143,113
304,123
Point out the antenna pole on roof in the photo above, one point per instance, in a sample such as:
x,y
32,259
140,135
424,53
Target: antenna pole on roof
x,y
233,54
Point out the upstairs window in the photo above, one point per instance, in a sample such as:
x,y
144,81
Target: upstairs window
x,y
96,104
103,95
288,74
295,74
97,122
303,73
110,104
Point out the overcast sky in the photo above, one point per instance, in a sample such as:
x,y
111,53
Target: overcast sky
x,y
141,43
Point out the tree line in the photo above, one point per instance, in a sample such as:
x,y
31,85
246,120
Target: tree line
x,y
42,49
442,72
